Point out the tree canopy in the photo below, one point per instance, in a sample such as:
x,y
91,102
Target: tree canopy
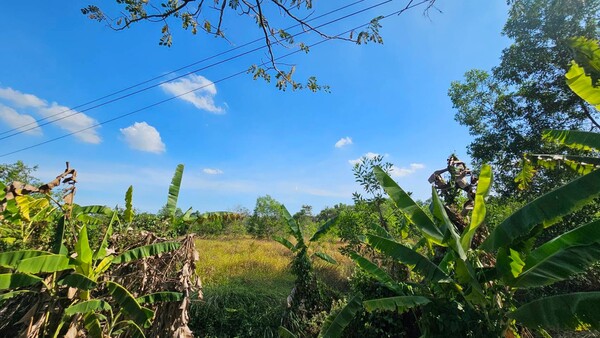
x,y
507,109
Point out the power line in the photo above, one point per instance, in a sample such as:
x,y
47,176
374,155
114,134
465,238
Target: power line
x,y
35,124
398,12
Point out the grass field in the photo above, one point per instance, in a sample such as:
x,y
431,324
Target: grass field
x,y
246,282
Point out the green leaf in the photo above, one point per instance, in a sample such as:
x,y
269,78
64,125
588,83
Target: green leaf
x,y
12,294
575,139
373,270
101,251
83,250
581,84
146,251
581,165
135,330
451,238
409,208
92,325
129,304
562,257
95,209
326,257
408,256
292,225
379,230
158,297
573,311
510,264
546,210
128,214
87,306
17,280
399,303
11,259
58,246
323,230
478,215
334,326
586,52
284,242
78,281
46,263
171,206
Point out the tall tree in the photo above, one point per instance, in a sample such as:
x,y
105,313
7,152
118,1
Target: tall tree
x,y
507,109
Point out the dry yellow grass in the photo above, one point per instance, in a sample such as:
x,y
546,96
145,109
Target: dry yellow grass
x,y
260,264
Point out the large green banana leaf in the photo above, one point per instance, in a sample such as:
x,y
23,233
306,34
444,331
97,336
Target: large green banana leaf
x,y
546,210
478,215
323,230
78,281
11,259
17,280
171,206
576,139
451,238
333,327
408,256
581,84
292,225
562,257
129,304
84,252
409,208
373,270
87,306
146,251
573,311
46,263
399,303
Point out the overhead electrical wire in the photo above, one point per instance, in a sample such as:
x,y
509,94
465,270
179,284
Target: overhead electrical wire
x,y
35,123
409,6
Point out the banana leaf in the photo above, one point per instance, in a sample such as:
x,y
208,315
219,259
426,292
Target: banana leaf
x,y
376,272
409,208
171,206
146,251
128,213
87,306
545,210
573,311
17,280
157,297
562,257
11,259
78,281
478,215
46,263
334,326
408,256
129,305
576,139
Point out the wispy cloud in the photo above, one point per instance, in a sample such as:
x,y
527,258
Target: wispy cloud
x,y
79,123
17,121
359,160
344,141
20,99
211,171
144,137
202,96
402,172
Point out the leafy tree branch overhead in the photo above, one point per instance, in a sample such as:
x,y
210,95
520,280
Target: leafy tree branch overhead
x,y
270,16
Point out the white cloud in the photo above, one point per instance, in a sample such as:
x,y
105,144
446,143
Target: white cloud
x,y
21,99
142,136
344,141
200,92
211,171
359,160
401,172
78,123
20,122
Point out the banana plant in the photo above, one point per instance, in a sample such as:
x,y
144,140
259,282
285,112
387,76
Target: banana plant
x,y
70,289
484,279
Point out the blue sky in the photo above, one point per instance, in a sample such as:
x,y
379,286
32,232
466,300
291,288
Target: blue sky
x,y
239,138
